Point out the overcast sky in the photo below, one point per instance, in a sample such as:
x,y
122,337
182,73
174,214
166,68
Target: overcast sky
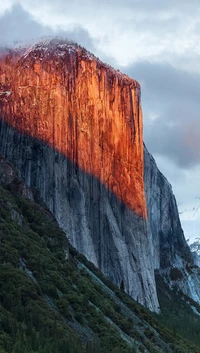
x,y
153,41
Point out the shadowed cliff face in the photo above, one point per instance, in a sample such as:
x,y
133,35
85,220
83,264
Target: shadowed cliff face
x,y
170,251
99,225
169,245
72,127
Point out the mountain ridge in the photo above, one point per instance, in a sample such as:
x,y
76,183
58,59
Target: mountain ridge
x,y
72,126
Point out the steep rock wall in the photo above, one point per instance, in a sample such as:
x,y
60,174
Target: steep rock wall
x,y
72,127
68,99
170,251
168,242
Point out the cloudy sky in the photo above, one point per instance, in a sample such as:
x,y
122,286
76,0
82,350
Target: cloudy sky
x,y
153,41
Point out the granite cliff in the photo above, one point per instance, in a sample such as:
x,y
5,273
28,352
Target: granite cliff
x,y
169,245
171,254
72,126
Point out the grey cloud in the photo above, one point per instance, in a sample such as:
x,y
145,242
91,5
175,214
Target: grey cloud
x,y
18,25
173,95
142,14
166,82
180,142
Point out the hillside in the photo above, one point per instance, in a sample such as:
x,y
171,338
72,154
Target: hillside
x,y
53,299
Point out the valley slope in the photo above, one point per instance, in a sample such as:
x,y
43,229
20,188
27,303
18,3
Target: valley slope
x,y
53,300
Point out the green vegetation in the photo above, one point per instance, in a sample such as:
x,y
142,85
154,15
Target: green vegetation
x,y
27,322
52,300
178,312
41,293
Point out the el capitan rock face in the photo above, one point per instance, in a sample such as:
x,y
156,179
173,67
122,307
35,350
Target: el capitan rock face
x,y
73,128
65,97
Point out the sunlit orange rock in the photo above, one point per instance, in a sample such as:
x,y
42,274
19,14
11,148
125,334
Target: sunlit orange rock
x,y
64,96
57,97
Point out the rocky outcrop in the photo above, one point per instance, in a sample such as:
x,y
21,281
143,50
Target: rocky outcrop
x,y
73,128
170,251
195,249
169,245
9,178
185,279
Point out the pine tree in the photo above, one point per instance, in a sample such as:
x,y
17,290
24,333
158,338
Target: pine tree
x,y
122,286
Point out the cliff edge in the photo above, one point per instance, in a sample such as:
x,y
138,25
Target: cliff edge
x,y
72,126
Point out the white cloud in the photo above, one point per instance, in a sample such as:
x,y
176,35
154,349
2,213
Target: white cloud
x,y
128,30
5,5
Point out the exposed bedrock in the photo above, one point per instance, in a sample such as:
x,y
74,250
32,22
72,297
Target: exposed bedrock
x,y
96,222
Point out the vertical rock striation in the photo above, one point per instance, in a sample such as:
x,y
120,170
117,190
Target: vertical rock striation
x,y
169,245
170,251
66,98
73,128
